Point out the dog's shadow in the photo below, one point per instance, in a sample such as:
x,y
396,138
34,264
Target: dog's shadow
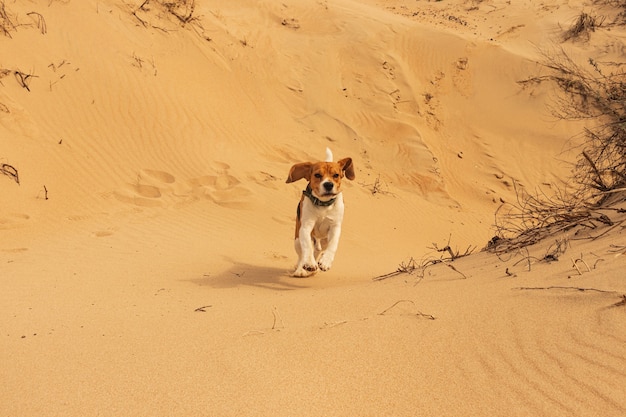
x,y
244,274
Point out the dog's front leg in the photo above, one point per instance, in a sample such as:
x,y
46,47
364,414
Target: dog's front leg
x,y
304,248
326,260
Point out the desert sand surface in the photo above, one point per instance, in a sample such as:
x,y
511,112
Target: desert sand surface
x,y
145,254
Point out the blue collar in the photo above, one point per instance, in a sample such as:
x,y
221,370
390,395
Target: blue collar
x,y
316,201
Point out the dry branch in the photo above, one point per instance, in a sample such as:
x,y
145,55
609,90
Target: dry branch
x,y
410,267
182,10
457,271
143,8
377,187
6,22
277,317
39,21
557,287
23,79
575,264
414,267
621,302
10,171
453,254
418,314
532,218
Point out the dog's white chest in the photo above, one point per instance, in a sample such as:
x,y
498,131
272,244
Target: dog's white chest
x,y
323,218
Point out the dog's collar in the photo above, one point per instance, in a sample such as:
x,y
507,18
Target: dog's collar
x,y
316,201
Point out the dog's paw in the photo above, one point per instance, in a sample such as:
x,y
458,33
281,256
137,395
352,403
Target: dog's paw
x,y
325,262
300,273
304,271
324,267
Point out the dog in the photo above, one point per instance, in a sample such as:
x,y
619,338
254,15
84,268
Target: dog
x,y
320,212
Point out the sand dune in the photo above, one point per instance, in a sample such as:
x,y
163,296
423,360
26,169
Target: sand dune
x,y
147,248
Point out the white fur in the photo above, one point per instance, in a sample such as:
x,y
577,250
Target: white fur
x,y
329,155
319,236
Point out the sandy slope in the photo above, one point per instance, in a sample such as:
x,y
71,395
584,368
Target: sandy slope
x,y
146,251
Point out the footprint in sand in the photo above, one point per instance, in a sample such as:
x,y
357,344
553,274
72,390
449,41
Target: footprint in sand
x,y
140,195
160,176
148,190
154,188
462,77
15,250
13,220
103,233
219,166
265,179
222,189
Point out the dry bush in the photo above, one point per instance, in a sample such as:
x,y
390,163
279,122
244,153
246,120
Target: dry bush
x,y
182,10
582,27
6,21
533,217
596,93
9,22
418,268
620,5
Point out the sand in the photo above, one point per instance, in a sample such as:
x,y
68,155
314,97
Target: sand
x,y
146,252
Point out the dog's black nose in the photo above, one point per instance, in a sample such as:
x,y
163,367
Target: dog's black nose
x,y
328,186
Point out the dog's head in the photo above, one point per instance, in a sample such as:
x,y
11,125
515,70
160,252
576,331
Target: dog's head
x,y
324,177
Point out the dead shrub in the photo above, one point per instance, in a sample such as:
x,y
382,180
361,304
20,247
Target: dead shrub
x,y
582,27
6,21
596,93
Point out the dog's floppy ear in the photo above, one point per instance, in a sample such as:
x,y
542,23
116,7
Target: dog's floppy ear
x,y
299,171
348,167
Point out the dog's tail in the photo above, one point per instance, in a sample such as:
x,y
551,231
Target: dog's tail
x,y
329,155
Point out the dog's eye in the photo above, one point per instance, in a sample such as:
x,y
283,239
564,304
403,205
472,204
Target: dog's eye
x,y
336,176
318,175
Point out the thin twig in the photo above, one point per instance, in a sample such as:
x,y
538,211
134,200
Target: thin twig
x,y
456,270
583,262
621,302
23,79
10,171
334,324
277,316
419,313
252,332
556,287
41,22
382,313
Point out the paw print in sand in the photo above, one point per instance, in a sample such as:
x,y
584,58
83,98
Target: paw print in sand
x,y
154,188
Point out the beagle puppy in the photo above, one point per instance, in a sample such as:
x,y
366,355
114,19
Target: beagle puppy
x,y
320,212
